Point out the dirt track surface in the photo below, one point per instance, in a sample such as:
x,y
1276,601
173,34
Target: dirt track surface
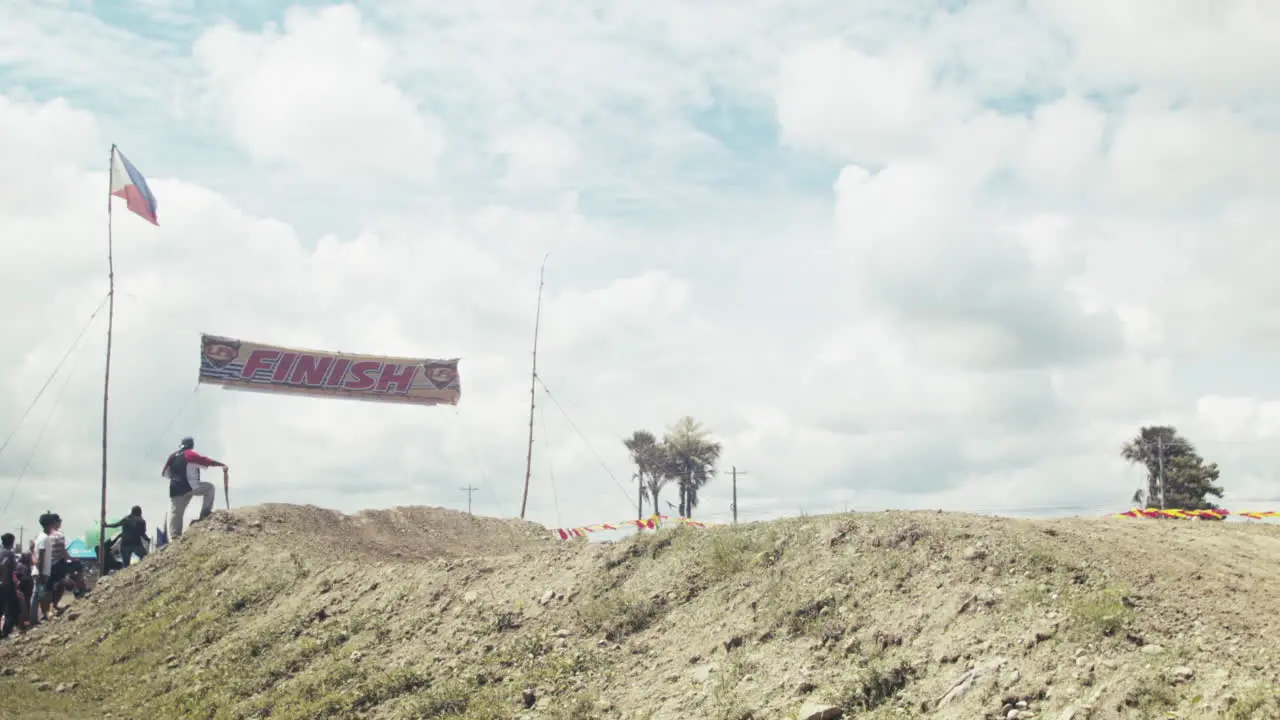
x,y
399,534
297,612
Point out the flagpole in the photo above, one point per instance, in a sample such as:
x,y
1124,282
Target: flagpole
x,y
106,380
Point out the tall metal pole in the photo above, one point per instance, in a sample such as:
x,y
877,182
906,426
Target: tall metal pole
x,y
1160,464
734,506
640,499
468,490
533,383
106,380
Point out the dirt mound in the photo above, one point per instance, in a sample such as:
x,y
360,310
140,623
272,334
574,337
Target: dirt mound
x,y
400,534
291,612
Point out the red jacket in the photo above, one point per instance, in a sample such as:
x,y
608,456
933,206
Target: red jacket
x,y
175,468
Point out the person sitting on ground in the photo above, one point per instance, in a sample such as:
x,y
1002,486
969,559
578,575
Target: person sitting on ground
x,y
113,562
133,536
10,603
183,470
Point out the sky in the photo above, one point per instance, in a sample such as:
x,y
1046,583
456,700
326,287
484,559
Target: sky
x,y
892,253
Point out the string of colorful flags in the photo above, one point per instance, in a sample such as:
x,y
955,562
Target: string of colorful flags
x,y
1219,514
654,521
650,523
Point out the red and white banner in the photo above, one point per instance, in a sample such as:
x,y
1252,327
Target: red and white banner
x,y
243,365
651,523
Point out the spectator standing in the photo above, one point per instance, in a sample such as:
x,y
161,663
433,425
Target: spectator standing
x,y
10,602
182,468
133,536
25,563
57,567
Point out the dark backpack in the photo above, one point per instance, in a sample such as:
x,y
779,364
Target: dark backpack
x,y
177,470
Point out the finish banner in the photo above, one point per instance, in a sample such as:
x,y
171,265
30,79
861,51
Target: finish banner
x,y
243,365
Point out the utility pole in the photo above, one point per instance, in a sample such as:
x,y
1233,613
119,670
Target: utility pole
x,y
20,529
533,384
1160,464
734,507
469,490
640,500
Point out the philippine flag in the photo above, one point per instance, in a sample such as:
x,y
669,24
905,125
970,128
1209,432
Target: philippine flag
x,y
128,183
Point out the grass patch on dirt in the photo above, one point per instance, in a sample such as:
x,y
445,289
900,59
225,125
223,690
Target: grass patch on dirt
x,y
873,686
725,701
578,706
618,614
728,553
1151,697
455,700
1104,612
24,700
1257,703
806,617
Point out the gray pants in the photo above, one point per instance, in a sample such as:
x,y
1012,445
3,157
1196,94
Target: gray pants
x,y
179,506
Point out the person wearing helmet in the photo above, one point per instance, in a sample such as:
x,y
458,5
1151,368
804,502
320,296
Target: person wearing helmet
x,y
182,468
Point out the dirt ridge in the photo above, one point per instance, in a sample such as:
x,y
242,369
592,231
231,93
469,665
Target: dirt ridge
x,y
298,612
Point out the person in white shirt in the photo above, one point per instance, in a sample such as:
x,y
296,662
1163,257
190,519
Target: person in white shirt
x,y
40,596
56,566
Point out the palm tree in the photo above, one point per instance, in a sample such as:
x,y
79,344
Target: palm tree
x,y
692,458
1154,448
1177,476
649,456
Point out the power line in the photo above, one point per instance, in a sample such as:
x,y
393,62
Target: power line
x,y
551,470
57,401
585,441
52,375
182,408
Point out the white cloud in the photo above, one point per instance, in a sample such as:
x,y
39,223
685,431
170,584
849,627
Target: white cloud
x,y
1064,146
1185,47
866,108
536,157
951,257
315,97
1179,156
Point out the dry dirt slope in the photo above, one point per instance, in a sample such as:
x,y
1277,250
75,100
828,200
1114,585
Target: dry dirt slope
x,y
296,612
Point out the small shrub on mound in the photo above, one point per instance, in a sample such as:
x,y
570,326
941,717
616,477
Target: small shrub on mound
x,y
618,614
455,700
1105,612
873,686
576,707
730,553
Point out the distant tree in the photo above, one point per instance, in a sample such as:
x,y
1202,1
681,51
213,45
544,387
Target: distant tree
x,y
691,457
650,460
1188,479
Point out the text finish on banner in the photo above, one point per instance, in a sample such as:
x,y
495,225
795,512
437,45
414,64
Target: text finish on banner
x,y
244,365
